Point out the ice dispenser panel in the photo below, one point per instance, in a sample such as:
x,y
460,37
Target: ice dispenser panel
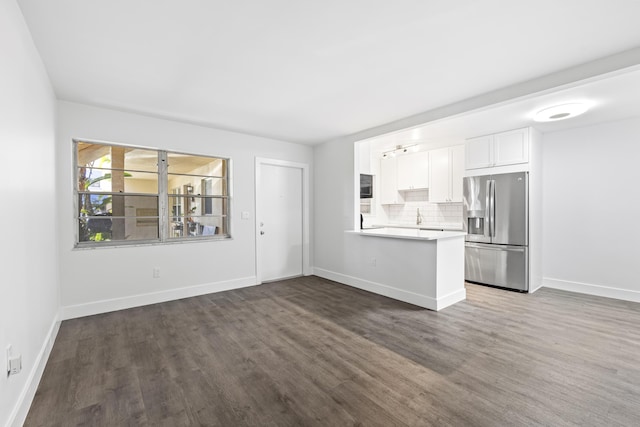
x,y
475,225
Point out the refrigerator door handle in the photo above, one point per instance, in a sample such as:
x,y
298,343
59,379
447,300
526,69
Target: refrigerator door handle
x,y
487,211
493,208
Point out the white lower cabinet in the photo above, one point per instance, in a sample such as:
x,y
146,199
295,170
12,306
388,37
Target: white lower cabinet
x,y
446,166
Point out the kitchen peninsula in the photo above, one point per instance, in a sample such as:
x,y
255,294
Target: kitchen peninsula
x,y
421,267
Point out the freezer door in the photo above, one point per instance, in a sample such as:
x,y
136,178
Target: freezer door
x,y
476,208
505,266
510,195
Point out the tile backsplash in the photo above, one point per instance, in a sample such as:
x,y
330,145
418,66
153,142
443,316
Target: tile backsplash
x,y
445,215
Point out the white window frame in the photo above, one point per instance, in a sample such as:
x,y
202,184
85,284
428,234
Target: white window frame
x,y
164,216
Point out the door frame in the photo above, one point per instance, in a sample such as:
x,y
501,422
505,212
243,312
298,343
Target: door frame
x,y
259,162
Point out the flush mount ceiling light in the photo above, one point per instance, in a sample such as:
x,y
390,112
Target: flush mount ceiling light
x,y
560,112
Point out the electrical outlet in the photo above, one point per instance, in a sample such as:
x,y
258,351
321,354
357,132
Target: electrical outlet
x,y
156,272
373,262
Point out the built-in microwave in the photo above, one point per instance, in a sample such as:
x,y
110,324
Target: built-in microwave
x,y
366,186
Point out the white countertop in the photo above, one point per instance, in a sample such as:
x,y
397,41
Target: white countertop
x,y
408,233
420,227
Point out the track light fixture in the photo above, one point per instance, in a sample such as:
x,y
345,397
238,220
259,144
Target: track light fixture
x,y
402,149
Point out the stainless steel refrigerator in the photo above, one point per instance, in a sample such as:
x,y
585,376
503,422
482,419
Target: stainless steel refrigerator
x,y
496,219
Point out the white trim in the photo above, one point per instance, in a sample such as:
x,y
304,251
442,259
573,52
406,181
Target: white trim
x,y
391,292
495,170
306,264
533,289
105,306
163,195
450,299
591,289
21,409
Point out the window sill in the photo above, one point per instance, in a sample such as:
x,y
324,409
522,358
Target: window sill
x,y
84,247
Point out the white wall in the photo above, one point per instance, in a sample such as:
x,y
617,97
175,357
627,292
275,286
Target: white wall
x,y
334,201
29,288
591,203
97,280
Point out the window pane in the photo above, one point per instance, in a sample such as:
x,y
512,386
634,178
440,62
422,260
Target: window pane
x,y
106,228
117,157
91,179
116,217
115,205
213,187
194,226
197,205
197,185
196,165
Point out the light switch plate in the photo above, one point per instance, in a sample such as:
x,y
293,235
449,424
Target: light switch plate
x,y
9,352
15,365
245,215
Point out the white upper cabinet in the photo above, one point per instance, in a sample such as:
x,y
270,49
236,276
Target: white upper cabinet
x,y
510,148
413,171
479,152
456,165
446,166
439,168
501,149
388,182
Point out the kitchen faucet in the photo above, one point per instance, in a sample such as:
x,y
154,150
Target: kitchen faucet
x,y
418,217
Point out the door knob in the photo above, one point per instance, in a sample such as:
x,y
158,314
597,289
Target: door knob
x,y
262,232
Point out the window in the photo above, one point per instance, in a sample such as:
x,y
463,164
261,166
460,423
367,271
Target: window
x,y
198,195
138,195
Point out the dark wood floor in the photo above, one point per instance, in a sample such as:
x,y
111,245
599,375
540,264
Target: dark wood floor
x,y
309,352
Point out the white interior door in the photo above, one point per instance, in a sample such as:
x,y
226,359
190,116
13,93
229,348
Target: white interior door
x,y
279,221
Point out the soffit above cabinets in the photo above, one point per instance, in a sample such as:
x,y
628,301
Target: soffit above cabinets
x,y
611,97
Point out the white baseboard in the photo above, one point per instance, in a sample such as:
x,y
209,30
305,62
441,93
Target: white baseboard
x,y
391,292
590,289
20,411
452,298
533,288
105,306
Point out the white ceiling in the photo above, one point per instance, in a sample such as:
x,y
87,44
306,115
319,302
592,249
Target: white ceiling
x,y
311,71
